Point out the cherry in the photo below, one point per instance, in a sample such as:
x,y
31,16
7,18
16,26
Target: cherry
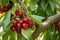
x,y
1,9
5,9
26,19
57,25
20,21
20,13
9,6
13,28
18,31
25,25
17,12
19,25
15,22
30,23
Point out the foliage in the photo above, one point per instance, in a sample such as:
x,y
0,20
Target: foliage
x,y
39,11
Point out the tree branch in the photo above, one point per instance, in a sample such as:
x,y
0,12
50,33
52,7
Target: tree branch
x,y
45,25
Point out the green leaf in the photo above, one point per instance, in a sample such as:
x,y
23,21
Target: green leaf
x,y
4,2
8,26
6,19
51,33
52,4
49,11
26,33
20,37
27,2
13,36
1,15
5,36
14,1
44,4
33,5
37,19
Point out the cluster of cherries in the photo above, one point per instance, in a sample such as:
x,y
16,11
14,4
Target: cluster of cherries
x,y
24,23
6,8
57,25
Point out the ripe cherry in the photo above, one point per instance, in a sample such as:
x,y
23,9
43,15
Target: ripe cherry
x,y
18,25
13,28
17,12
30,23
15,22
20,13
18,31
20,21
1,9
9,6
25,25
26,19
57,25
5,9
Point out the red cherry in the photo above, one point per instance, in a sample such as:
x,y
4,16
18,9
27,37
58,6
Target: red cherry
x,y
1,10
20,13
57,25
20,21
5,9
18,31
19,25
9,6
15,22
30,23
13,28
25,25
26,19
17,12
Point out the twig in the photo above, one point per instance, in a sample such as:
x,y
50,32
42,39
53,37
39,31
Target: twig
x,y
45,25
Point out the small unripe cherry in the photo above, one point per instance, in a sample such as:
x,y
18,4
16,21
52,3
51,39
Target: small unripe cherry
x,y
25,25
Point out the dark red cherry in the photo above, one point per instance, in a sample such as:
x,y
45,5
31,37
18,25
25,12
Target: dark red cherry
x,y
25,25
